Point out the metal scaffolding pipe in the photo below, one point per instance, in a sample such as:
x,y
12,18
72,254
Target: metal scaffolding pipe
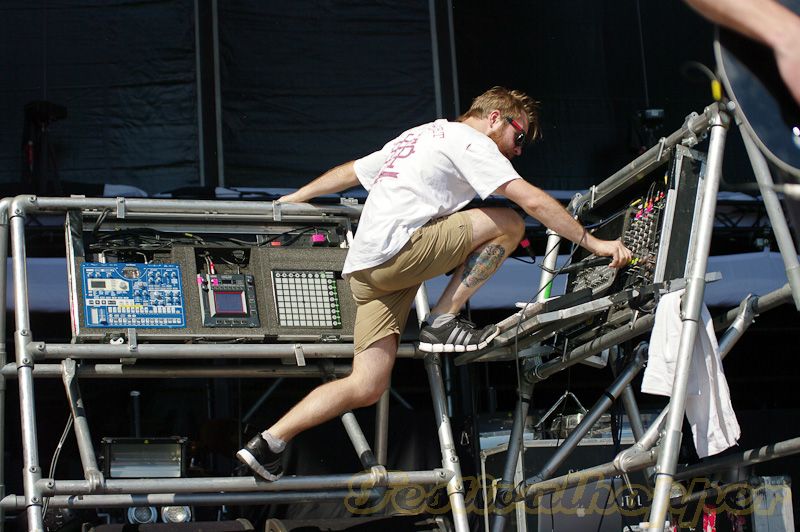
x,y
637,462
690,316
693,126
365,480
128,371
775,212
14,502
32,471
505,493
769,301
540,372
263,210
195,351
5,205
359,441
82,433
628,397
447,444
382,426
749,457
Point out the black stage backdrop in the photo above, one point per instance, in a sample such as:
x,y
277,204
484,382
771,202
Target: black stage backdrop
x,y
126,73
309,84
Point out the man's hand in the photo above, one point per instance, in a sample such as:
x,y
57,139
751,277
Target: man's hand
x,y
288,198
334,180
620,255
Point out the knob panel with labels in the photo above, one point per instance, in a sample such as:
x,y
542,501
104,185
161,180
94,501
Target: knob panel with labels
x,y
132,295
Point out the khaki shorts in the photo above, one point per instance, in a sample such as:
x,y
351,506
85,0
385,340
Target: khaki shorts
x,y
384,293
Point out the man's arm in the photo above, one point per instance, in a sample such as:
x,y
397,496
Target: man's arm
x,y
547,210
765,21
334,180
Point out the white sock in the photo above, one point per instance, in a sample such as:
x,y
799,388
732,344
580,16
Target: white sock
x,y
276,445
437,320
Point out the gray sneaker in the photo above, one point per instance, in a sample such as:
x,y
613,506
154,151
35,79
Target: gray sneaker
x,y
456,336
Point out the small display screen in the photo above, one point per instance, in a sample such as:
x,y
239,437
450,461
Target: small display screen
x,y
229,302
97,284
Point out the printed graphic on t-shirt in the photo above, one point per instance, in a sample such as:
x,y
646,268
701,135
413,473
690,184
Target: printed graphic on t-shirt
x,y
402,148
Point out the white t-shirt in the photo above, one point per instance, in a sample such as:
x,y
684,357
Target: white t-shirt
x,y
427,172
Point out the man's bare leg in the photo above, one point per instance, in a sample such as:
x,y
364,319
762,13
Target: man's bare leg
x,y
364,386
372,369
496,232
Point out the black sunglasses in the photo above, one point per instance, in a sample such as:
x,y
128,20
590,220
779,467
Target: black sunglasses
x,y
521,138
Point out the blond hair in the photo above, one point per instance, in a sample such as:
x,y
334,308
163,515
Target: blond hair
x,y
510,103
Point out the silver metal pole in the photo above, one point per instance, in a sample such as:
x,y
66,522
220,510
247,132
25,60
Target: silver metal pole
x,y
637,462
30,453
775,213
382,427
643,444
353,498
505,491
637,169
127,371
360,444
548,263
196,351
5,205
747,312
539,372
261,210
692,303
629,402
455,487
364,480
749,457
632,409
82,434
762,304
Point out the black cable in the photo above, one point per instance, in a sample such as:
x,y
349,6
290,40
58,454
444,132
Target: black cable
x,y
99,221
604,221
605,506
150,239
297,235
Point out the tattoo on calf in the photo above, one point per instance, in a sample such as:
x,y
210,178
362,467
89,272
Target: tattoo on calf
x,y
482,264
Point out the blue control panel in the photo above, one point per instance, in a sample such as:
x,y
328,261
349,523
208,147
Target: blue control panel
x,y
132,295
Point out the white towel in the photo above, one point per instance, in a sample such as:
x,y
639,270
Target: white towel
x,y
708,399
